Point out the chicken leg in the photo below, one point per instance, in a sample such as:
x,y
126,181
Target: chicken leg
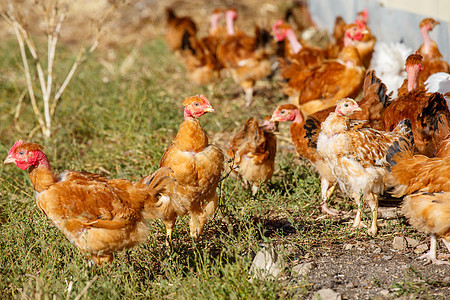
x,y
373,203
326,192
430,256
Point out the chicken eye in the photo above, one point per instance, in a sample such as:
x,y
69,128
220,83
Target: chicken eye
x,y
345,105
22,152
196,104
283,111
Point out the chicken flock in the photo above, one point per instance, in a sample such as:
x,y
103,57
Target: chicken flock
x,y
387,143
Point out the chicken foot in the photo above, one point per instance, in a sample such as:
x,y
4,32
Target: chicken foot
x,y
248,96
357,221
373,203
169,229
198,218
326,192
430,256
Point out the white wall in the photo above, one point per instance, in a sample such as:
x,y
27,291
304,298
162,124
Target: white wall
x,y
390,20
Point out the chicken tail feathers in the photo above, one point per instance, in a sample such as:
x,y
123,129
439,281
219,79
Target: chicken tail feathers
x,y
159,181
404,129
371,80
441,128
403,146
262,37
170,14
186,43
312,130
437,105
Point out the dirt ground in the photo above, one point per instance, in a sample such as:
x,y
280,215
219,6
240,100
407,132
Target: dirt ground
x,y
375,270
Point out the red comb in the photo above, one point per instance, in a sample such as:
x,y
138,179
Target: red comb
x,y
366,12
361,24
276,25
205,99
13,148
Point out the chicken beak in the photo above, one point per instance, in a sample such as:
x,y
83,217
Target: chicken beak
x,y
357,109
365,31
209,109
9,160
273,119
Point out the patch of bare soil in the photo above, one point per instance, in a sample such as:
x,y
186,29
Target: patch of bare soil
x,y
375,270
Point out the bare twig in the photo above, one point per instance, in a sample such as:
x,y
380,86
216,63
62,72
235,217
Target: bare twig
x,y
20,40
55,12
18,108
88,285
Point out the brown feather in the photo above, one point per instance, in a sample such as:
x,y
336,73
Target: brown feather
x,y
429,213
253,150
197,167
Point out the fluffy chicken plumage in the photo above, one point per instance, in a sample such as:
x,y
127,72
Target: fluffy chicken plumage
x,y
426,184
442,136
98,215
388,61
357,156
253,150
321,86
199,55
430,213
247,58
302,56
411,105
432,57
197,167
177,28
304,134
439,82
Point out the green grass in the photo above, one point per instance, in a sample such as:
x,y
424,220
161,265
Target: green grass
x,y
120,124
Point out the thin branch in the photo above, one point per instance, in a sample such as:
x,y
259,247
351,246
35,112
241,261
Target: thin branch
x,y
82,56
18,108
88,285
12,20
52,41
28,76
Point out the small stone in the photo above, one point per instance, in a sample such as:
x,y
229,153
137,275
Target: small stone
x,y
348,246
412,242
304,268
384,292
328,294
350,285
377,250
387,257
421,249
388,213
267,262
399,243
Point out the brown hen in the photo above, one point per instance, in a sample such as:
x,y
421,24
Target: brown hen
x,y
411,105
432,58
253,150
200,55
321,86
197,167
99,216
177,28
426,184
246,58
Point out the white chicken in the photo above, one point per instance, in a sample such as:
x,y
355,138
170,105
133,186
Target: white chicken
x,y
357,155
